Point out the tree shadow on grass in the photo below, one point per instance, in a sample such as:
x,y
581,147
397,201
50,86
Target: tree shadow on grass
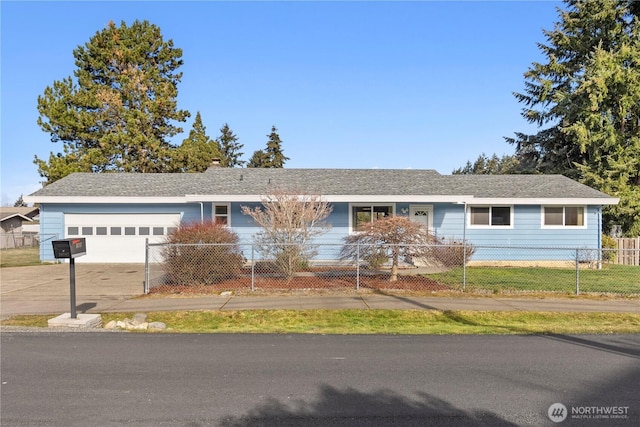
x,y
351,407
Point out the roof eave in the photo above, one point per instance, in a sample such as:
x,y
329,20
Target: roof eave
x,y
597,201
359,198
103,200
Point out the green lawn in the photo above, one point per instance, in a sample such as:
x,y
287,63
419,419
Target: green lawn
x,y
621,279
377,322
19,257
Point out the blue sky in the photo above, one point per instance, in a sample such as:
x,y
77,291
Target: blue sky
x,y
422,85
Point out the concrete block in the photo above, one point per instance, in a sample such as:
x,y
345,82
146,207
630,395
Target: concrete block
x,y
82,320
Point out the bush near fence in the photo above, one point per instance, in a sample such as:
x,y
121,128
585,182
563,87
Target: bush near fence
x,y
488,270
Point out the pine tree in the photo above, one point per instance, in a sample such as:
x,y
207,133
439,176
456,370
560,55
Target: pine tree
x,y
20,203
272,156
585,98
230,148
117,112
197,151
258,160
274,152
491,166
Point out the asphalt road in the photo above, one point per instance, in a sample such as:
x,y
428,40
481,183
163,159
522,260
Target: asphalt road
x,y
111,379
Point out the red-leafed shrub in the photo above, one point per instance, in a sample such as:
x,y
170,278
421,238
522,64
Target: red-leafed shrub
x,y
202,254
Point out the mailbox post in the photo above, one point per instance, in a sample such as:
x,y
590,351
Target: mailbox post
x,y
70,249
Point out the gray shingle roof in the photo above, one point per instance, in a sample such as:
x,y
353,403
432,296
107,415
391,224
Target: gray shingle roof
x,y
327,182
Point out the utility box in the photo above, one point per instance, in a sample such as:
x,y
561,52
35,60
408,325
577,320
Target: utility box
x,y
69,248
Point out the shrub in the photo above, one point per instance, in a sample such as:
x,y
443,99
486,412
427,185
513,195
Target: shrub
x,y
376,257
609,246
387,239
202,254
451,253
289,221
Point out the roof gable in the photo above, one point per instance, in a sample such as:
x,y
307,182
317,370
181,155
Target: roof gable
x,y
26,213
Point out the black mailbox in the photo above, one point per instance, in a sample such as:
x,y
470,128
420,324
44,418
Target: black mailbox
x,y
69,248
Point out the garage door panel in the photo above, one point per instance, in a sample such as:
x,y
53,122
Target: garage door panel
x,y
117,238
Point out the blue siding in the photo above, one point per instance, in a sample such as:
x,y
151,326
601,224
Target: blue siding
x,y
448,223
526,229
51,227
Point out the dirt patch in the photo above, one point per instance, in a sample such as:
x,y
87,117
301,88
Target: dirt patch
x,y
323,282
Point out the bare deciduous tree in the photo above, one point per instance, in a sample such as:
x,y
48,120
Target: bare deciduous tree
x,y
289,221
387,239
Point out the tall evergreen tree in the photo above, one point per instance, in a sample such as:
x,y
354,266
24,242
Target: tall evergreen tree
x,y
274,152
585,97
20,203
118,111
259,159
229,148
272,156
491,166
197,151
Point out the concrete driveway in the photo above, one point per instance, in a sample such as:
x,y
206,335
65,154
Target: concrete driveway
x,y
44,289
27,289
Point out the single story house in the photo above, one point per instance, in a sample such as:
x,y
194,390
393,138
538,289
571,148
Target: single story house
x,y
12,225
118,212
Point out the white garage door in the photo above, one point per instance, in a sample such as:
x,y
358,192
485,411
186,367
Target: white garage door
x,y
114,238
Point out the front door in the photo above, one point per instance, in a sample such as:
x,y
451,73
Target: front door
x,y
422,214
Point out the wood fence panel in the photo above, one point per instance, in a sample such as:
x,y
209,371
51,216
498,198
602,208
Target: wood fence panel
x,y
628,252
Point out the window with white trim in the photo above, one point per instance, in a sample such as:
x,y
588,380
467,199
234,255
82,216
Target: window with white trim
x,y
490,216
364,214
563,216
221,214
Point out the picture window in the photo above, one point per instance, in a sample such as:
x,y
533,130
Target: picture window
x,y
490,216
365,214
563,216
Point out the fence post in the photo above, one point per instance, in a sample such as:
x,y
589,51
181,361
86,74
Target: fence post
x,y
253,268
577,272
357,266
146,265
464,265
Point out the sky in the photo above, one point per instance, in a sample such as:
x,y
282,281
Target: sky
x,y
359,84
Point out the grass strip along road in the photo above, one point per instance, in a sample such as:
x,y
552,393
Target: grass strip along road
x,y
376,322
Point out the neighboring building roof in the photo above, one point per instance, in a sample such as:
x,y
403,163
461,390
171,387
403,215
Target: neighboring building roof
x,y
25,213
249,184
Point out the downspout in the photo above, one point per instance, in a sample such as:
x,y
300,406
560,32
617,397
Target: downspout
x,y
201,212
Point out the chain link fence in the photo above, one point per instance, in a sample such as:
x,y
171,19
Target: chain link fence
x,y
216,268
